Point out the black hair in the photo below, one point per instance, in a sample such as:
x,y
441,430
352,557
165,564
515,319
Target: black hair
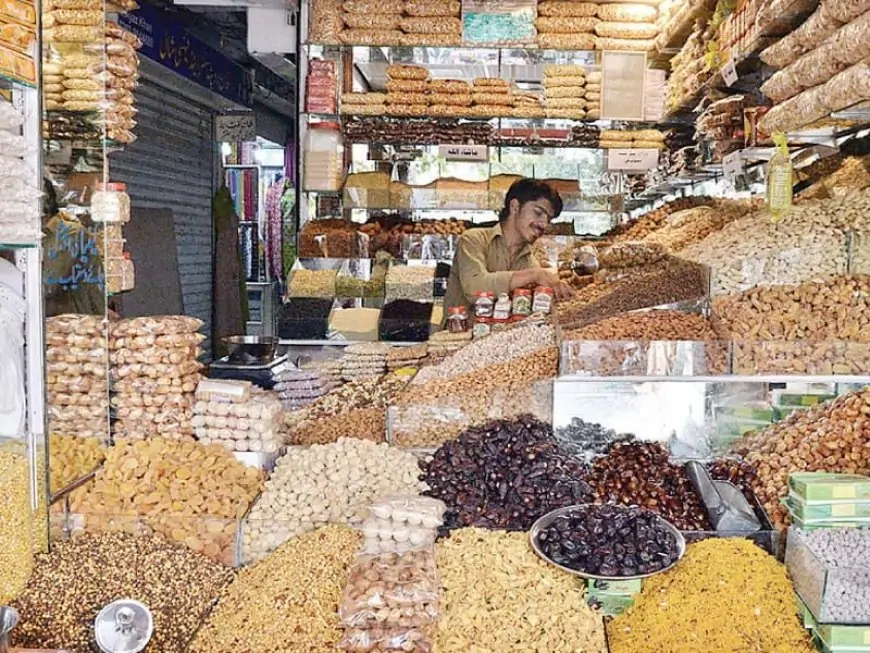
x,y
529,190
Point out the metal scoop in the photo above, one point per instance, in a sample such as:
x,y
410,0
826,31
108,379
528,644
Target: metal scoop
x,y
727,508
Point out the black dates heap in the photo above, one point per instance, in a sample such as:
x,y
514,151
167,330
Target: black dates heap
x,y
504,475
614,541
640,474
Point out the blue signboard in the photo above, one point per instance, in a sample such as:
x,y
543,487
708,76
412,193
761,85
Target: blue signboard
x,y
170,45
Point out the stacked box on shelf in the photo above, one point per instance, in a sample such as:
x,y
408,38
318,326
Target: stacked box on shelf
x,y
821,500
155,371
77,369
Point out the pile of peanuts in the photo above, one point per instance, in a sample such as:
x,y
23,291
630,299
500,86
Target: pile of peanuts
x,y
76,370
324,484
251,423
831,437
816,327
155,373
201,493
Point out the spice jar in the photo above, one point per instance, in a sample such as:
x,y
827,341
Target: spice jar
x,y
482,327
457,319
110,203
543,301
484,303
502,309
522,304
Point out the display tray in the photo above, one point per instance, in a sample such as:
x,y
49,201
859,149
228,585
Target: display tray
x,y
816,583
550,517
691,415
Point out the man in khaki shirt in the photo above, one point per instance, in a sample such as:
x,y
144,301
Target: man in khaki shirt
x,y
499,259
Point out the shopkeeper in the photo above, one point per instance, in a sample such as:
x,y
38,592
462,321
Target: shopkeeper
x,y
499,259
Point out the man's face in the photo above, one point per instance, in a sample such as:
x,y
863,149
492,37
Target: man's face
x,y
532,218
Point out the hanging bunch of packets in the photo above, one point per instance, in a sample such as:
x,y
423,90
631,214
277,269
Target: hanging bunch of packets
x,y
779,178
499,23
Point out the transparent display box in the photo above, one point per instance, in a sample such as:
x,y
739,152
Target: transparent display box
x,y
822,587
644,358
822,357
697,417
431,424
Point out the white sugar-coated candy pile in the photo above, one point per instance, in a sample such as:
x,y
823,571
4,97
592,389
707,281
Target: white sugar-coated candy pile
x,y
846,554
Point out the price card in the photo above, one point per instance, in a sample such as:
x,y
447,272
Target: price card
x,y
464,152
631,160
732,164
729,73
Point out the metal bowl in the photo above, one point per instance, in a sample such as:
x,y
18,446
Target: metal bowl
x,y
251,350
550,517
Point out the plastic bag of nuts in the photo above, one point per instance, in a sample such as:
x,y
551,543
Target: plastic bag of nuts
x,y
392,590
417,640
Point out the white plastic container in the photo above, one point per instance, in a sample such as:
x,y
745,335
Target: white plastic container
x,y
324,157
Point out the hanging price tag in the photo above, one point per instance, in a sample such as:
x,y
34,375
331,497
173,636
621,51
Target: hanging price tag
x,y
732,164
729,73
632,160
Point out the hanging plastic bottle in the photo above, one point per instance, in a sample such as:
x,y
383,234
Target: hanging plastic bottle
x,y
779,178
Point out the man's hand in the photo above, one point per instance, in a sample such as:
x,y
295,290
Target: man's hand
x,y
561,290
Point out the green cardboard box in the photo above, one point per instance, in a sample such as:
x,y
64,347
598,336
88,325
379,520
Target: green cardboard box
x,y
823,487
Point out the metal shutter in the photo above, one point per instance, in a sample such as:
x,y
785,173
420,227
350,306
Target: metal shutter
x,y
171,165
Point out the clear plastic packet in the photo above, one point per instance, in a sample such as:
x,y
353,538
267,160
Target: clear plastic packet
x,y
75,323
123,371
631,45
623,30
153,340
410,640
627,13
802,109
851,43
432,8
374,6
373,21
848,88
92,412
61,370
391,590
146,400
155,355
157,324
10,118
785,51
13,168
76,343
558,8
12,145
77,384
813,32
566,41
164,385
846,11
437,25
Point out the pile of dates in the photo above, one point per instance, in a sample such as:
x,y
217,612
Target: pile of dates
x,y
505,474
613,541
641,474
